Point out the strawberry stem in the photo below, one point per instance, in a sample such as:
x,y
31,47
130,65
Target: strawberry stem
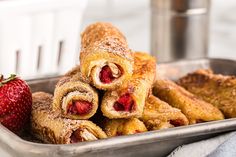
x,y
2,81
1,77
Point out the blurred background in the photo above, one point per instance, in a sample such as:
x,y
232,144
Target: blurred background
x,y
133,18
42,37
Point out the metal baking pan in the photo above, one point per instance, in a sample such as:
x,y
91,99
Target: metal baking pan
x,y
154,143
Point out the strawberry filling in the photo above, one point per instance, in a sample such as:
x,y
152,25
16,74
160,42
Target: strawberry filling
x,y
119,134
75,137
137,131
106,75
177,122
79,107
124,103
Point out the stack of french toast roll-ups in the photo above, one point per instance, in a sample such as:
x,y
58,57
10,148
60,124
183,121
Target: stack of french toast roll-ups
x,y
114,91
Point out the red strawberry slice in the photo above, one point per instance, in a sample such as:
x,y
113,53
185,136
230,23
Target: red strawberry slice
x,y
124,103
15,103
177,122
75,137
106,75
80,107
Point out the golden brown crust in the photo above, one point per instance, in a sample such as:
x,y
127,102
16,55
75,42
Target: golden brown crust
x,y
195,109
101,44
42,101
144,67
158,114
216,89
117,127
73,74
138,87
73,86
106,37
49,127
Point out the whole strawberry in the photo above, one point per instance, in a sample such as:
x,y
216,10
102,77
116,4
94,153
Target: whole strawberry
x,y
15,103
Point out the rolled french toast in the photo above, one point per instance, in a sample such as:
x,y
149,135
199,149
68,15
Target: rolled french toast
x,y
196,110
105,57
50,127
73,97
117,127
158,115
217,89
129,99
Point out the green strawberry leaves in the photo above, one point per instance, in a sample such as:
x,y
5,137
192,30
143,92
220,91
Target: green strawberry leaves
x,y
4,81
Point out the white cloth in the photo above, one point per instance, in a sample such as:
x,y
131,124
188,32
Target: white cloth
x,y
202,148
226,149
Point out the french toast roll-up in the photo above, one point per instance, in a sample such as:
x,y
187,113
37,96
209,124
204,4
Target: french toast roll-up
x,y
73,97
105,57
129,99
217,89
158,114
48,126
195,110
118,127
